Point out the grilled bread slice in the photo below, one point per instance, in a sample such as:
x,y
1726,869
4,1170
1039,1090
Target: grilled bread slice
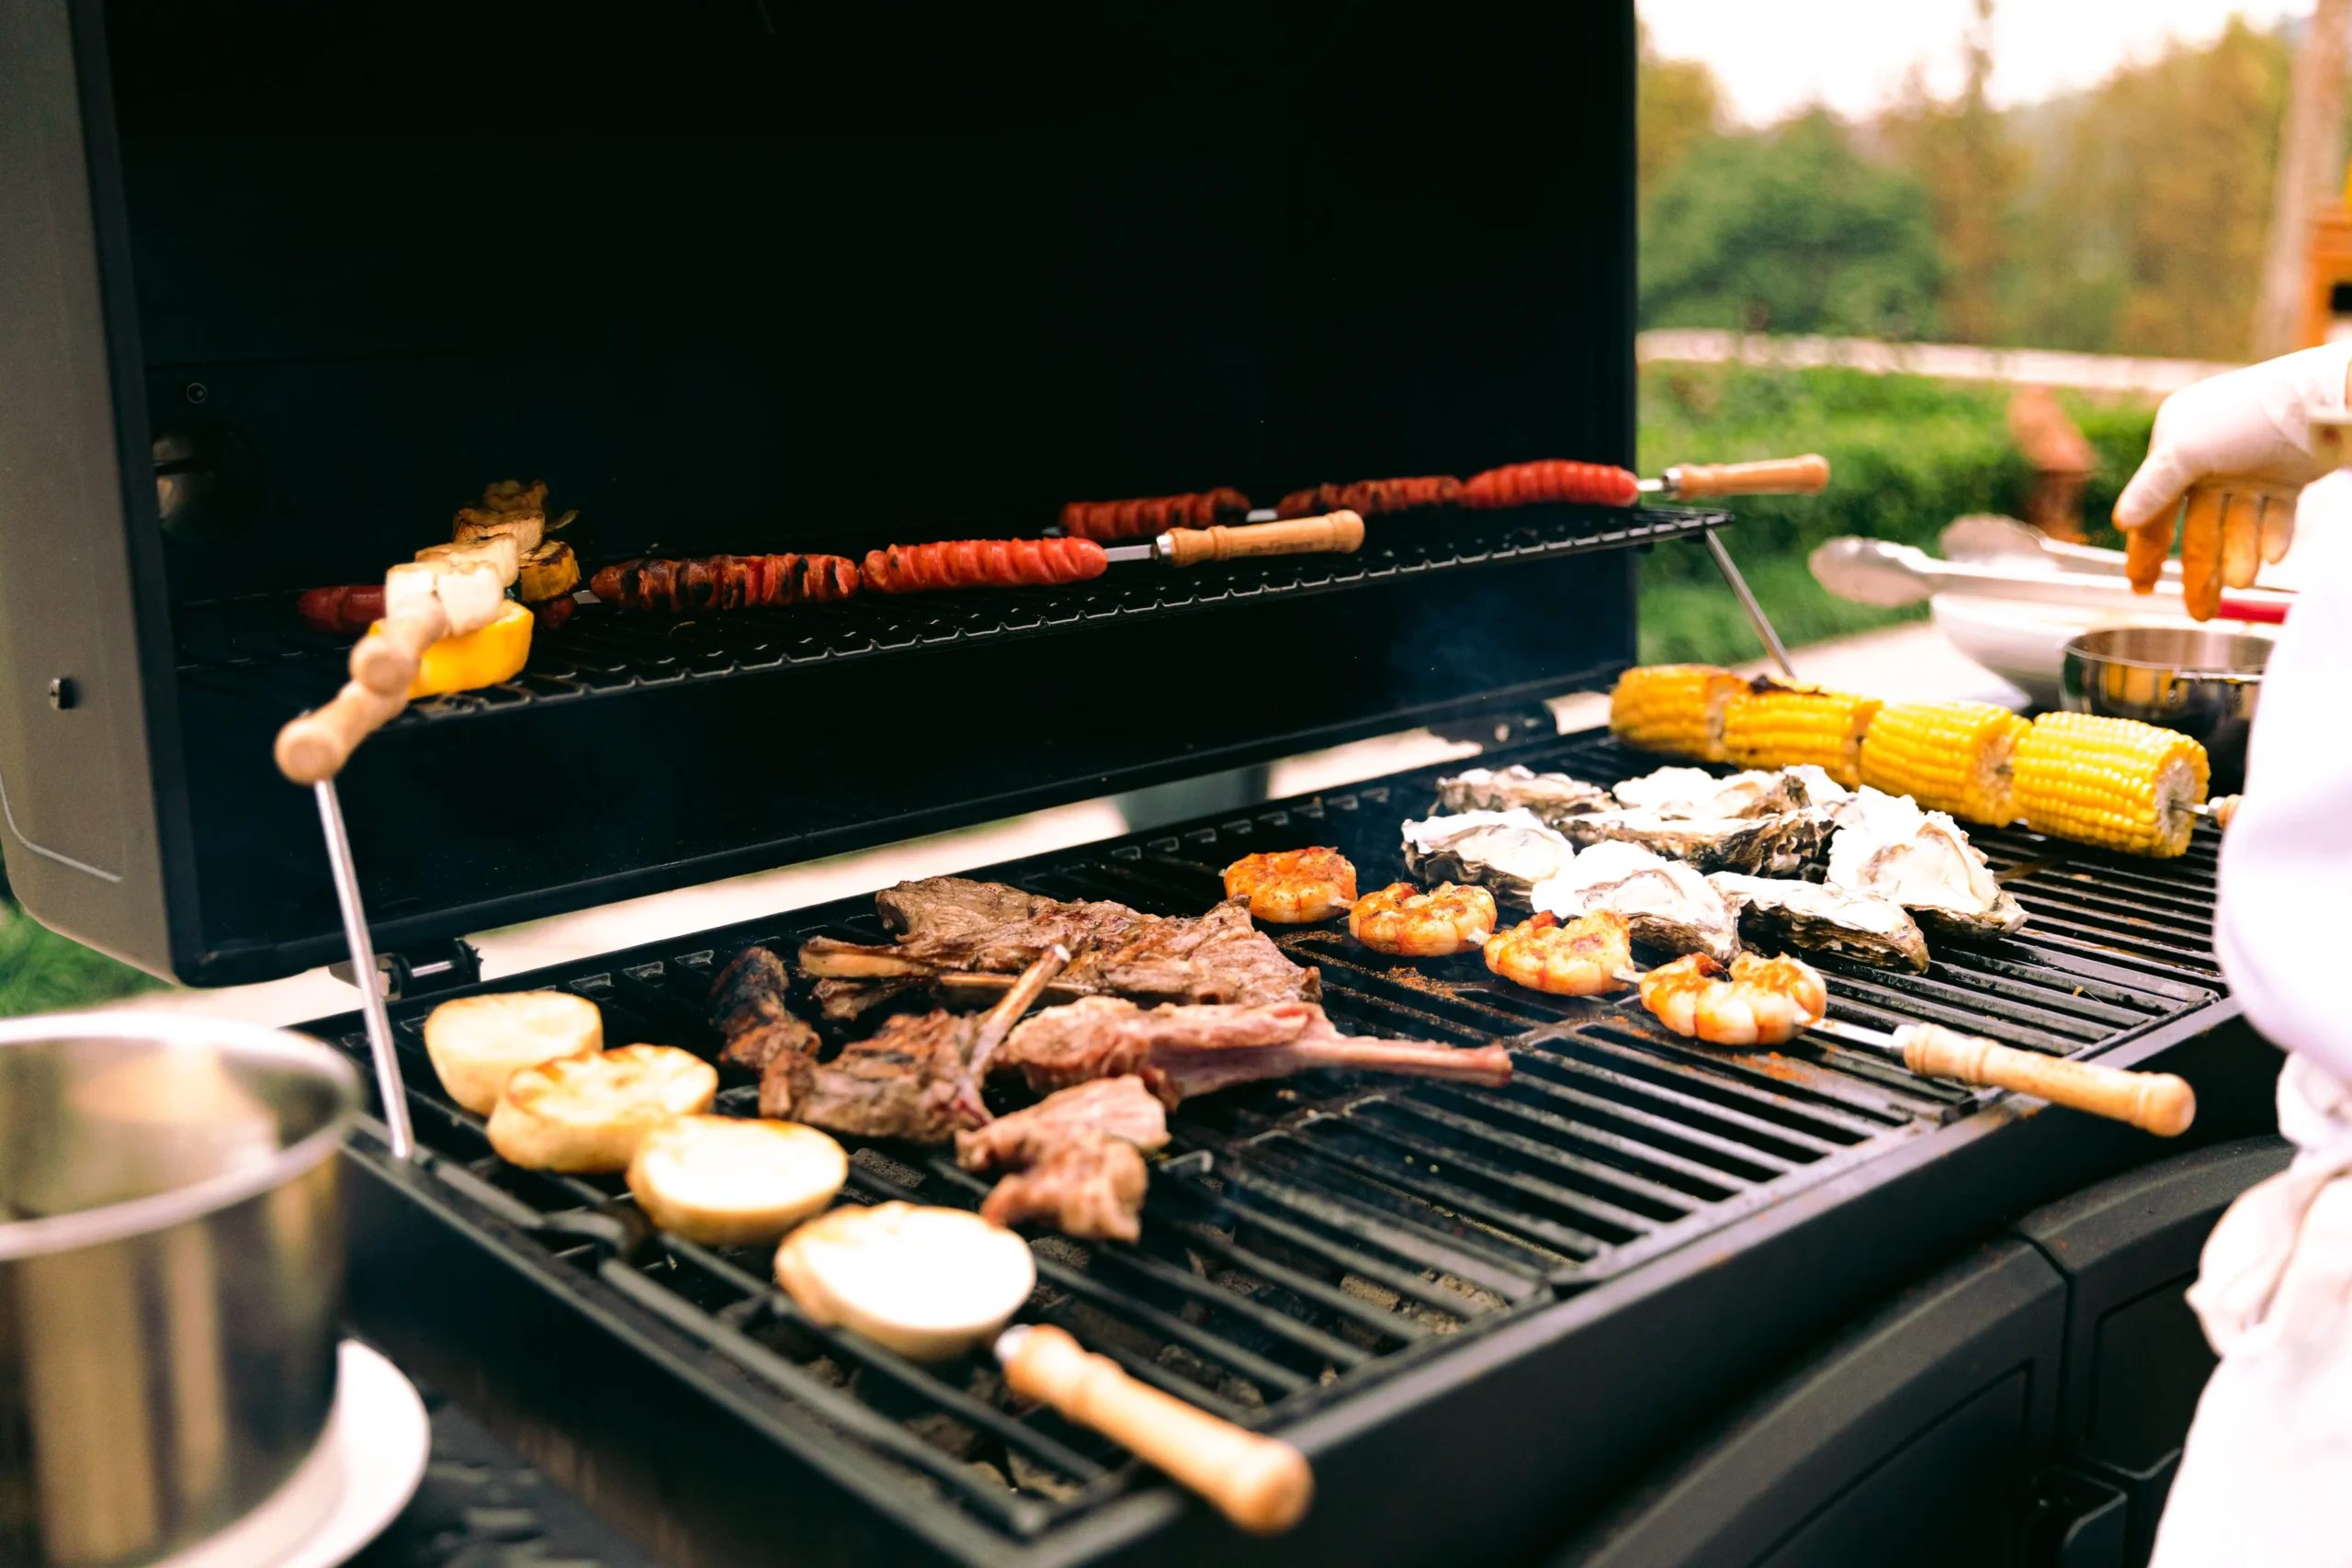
x,y
725,1181
478,1042
588,1114
929,1283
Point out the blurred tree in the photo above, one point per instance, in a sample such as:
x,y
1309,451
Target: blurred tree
x,y
1791,231
1677,104
1961,151
2145,215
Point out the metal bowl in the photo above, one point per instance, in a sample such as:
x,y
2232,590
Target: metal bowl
x,y
171,1275
2203,683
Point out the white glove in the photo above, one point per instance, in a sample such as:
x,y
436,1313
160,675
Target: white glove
x,y
2252,424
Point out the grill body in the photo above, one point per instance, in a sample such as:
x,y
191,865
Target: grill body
x,y
1479,1312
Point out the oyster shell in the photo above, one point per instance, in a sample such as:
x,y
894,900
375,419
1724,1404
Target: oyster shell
x,y
1667,903
1550,796
1885,844
1507,852
1779,845
1776,915
1696,793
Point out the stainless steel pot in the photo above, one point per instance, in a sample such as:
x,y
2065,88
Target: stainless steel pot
x,y
171,1273
2203,683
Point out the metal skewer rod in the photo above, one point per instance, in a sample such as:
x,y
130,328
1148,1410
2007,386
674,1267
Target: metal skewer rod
x,y
389,1086
1756,616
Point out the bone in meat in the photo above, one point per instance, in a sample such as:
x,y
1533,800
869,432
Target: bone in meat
x,y
747,1004
949,924
1181,1050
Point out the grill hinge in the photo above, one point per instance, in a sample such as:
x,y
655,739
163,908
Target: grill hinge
x,y
437,966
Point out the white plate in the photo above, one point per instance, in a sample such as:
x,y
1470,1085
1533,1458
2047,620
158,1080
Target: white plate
x,y
354,1484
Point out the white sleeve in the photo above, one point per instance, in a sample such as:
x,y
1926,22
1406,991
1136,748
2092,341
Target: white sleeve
x,y
2286,865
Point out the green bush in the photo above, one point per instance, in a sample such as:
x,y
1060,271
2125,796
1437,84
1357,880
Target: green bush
x,y
1906,455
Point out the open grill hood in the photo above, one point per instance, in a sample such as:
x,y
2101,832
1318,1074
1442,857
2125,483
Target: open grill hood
x,y
751,277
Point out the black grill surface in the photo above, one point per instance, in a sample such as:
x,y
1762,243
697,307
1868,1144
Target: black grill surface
x,y
253,647
1306,1240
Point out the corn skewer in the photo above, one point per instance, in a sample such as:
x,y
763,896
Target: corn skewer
x,y
2112,781
1777,725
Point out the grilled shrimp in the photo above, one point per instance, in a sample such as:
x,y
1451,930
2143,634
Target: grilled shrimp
x,y
1583,958
1293,887
1765,1001
1447,919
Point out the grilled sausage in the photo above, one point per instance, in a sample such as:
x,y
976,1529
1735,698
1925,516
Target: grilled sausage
x,y
725,582
1369,497
1152,514
1553,480
342,612
982,563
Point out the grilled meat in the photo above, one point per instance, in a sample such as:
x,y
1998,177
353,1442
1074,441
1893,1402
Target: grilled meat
x,y
1549,481
341,612
725,582
747,1004
1152,514
959,931
1073,1158
982,563
908,1081
1370,497
1179,1050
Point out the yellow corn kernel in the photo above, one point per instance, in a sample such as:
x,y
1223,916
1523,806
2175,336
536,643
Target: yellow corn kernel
x,y
1776,724
1677,709
1946,756
2114,782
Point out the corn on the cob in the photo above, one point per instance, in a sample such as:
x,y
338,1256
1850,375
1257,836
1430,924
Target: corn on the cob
x,y
1677,709
2109,781
1776,724
1946,756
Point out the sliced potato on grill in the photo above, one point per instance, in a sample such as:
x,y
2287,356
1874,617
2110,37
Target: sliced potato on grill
x,y
725,1181
588,1114
929,1283
478,1042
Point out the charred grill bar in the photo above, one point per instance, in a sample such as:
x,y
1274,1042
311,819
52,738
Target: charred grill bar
x,y
1403,1276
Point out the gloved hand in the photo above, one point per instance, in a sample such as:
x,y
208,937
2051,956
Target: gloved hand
x,y
2251,425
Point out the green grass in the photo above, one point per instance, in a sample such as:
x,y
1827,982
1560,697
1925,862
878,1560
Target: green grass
x,y
1700,622
43,972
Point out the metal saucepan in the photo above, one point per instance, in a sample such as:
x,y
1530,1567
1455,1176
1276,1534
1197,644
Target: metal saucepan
x,y
170,1274
2203,683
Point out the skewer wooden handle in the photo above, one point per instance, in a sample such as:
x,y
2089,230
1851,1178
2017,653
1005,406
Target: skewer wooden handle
x,y
1774,476
1339,533
315,745
386,660
2157,1102
1262,1486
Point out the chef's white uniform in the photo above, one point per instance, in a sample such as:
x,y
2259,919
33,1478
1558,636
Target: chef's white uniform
x,y
2268,1463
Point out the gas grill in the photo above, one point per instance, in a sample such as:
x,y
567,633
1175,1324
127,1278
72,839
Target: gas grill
x,y
287,285
1425,1285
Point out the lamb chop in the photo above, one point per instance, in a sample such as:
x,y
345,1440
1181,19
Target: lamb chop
x,y
917,1078
1075,1158
968,938
747,1004
1180,1050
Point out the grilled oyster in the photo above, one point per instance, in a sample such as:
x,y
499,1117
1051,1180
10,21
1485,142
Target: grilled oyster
x,y
1776,914
1778,845
1885,844
1507,853
1550,796
1697,794
1667,903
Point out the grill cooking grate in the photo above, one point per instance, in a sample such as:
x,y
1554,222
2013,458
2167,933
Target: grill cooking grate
x,y
1305,1238
253,646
